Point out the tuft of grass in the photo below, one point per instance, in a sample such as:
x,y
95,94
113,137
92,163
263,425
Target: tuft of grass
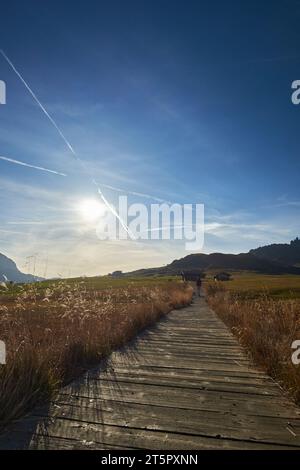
x,y
266,326
54,331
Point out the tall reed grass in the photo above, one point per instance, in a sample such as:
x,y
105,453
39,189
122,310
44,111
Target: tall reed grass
x,y
53,335
266,327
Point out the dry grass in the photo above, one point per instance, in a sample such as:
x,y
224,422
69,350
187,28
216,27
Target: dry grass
x,y
55,333
266,327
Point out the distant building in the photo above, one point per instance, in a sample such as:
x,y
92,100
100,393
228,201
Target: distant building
x,y
191,275
222,277
117,274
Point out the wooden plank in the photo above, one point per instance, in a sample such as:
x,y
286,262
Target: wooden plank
x,y
188,399
35,432
225,425
79,435
169,361
192,351
190,382
249,375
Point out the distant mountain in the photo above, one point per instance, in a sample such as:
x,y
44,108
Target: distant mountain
x,y
277,258
272,259
242,261
283,253
9,269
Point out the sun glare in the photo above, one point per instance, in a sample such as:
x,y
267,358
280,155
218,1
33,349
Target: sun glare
x,y
91,209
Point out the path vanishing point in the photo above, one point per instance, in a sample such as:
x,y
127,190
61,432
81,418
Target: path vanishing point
x,y
185,383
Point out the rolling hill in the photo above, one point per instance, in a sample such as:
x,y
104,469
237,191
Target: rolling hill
x,y
270,259
280,258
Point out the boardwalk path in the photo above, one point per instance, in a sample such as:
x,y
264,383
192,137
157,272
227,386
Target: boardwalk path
x,y
185,384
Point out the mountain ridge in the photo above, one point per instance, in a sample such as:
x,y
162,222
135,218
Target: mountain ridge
x,y
280,258
285,253
276,258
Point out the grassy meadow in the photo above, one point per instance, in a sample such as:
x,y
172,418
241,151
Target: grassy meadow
x,y
263,311
54,330
247,285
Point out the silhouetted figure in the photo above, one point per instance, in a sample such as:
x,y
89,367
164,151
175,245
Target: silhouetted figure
x,y
198,284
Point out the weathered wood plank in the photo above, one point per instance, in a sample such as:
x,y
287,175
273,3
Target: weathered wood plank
x,y
91,436
219,425
190,382
168,360
188,399
161,369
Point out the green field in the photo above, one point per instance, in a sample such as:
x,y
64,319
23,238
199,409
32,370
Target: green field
x,y
245,284
251,285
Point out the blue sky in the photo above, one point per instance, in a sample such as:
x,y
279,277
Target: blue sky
x,y
186,101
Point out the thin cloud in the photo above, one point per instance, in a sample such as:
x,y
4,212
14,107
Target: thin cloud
x,y
10,232
134,193
28,165
35,222
282,201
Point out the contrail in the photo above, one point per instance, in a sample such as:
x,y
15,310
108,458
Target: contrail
x,y
38,102
134,193
168,227
61,135
18,162
144,195
115,213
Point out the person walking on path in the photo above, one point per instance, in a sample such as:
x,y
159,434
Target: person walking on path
x,y
198,284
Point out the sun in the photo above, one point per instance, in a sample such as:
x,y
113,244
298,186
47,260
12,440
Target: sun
x,y
91,209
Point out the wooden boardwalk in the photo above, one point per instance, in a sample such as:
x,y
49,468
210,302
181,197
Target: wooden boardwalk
x,y
184,384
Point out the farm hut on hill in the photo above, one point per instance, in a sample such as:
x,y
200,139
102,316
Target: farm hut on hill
x,y
192,275
117,274
222,277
